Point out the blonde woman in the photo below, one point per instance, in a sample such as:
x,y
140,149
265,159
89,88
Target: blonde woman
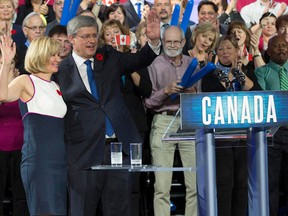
x,y
204,38
43,166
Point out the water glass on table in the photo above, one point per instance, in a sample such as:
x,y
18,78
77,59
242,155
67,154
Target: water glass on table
x,y
116,153
136,154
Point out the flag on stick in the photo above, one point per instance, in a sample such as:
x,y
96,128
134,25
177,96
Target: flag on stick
x,y
123,39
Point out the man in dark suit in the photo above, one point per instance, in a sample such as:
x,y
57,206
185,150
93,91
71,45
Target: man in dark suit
x,y
86,118
33,27
131,9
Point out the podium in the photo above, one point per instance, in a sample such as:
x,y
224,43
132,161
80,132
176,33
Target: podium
x,y
230,116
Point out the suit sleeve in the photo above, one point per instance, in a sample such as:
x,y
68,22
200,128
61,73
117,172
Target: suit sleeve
x,y
130,62
145,85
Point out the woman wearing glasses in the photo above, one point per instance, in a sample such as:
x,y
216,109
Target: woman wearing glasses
x,y
43,166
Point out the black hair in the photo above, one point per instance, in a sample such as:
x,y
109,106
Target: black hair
x,y
206,2
58,30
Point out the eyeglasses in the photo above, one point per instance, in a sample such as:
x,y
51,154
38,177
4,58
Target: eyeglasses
x,y
59,3
35,28
176,43
88,36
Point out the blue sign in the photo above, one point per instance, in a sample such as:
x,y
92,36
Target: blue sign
x,y
234,109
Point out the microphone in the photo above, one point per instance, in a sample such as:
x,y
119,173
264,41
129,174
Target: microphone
x,y
223,77
239,75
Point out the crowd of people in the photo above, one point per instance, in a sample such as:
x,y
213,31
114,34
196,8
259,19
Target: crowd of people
x,y
68,91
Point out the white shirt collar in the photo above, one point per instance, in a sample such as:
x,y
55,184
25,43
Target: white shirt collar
x,y
136,1
79,60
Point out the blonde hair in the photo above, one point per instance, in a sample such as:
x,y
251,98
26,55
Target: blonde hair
x,y
39,53
4,1
202,29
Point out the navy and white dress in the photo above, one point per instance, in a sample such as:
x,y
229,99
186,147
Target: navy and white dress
x,y
44,167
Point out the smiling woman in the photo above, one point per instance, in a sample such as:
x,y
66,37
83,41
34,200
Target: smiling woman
x,y
109,30
41,105
47,62
7,12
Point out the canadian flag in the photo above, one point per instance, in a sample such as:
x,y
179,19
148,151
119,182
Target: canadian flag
x,y
123,39
246,54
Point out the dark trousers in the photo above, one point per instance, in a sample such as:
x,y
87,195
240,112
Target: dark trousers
x,y
231,179
10,165
277,152
109,188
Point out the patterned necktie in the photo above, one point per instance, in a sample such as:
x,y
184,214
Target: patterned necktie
x,y
94,92
138,4
283,79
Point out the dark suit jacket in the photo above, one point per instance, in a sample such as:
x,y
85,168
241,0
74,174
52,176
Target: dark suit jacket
x,y
18,37
131,15
85,118
21,50
133,96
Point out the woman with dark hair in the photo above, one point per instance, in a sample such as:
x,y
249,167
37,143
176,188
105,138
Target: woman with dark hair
x,y
268,25
248,45
231,156
117,12
39,6
265,29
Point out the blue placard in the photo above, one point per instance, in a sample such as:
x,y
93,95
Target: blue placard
x,y
234,109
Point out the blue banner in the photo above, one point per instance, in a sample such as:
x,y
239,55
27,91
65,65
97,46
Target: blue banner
x,y
234,109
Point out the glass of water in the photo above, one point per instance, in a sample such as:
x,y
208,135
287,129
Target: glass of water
x,y
116,153
136,154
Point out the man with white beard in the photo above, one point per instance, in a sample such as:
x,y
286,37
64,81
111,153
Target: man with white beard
x,y
165,73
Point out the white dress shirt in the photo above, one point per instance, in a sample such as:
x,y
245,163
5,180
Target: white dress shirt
x,y
82,68
135,5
